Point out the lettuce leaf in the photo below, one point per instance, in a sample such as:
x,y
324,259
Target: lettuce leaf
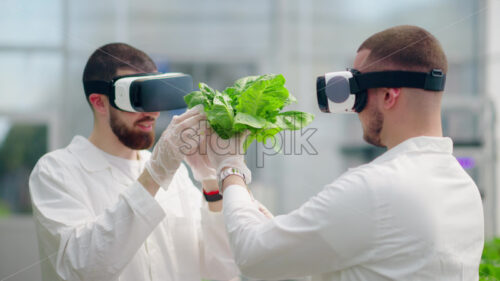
x,y
253,103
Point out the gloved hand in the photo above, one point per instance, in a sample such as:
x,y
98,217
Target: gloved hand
x,y
198,161
228,153
179,139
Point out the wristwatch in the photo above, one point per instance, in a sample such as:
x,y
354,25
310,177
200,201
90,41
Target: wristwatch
x,y
226,172
212,196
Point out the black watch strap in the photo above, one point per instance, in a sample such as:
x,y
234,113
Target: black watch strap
x,y
212,196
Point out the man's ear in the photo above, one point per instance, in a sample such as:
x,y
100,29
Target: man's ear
x,y
391,97
99,102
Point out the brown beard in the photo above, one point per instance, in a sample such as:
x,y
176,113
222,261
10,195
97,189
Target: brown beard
x,y
130,138
372,132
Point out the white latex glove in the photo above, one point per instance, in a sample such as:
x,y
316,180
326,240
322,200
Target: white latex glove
x,y
199,162
179,139
228,153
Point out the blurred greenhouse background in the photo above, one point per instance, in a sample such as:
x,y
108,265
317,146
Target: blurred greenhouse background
x,y
44,46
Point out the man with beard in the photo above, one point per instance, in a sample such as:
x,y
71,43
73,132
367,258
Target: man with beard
x,y
105,208
411,214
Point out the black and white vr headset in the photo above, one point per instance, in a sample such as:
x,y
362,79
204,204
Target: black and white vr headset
x,y
144,92
346,91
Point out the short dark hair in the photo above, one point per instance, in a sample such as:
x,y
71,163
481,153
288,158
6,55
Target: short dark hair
x,y
104,63
407,47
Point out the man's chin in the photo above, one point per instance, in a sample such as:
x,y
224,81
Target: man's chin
x,y
148,140
373,140
138,141
132,137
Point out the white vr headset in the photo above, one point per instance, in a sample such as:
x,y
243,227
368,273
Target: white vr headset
x,y
345,91
144,92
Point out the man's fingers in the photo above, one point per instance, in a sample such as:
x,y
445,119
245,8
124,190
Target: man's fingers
x,y
204,125
203,128
243,136
192,122
203,144
189,113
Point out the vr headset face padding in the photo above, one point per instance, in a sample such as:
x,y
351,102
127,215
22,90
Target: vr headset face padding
x,y
320,94
360,102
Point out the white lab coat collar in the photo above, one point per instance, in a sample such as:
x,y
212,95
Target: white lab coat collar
x,y
92,159
418,144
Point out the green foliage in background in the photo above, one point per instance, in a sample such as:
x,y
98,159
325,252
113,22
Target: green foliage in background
x,y
4,209
23,145
490,261
253,103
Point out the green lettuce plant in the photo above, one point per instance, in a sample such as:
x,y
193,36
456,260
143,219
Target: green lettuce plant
x,y
489,269
253,103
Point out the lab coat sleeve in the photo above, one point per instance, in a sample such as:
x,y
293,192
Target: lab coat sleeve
x,y
217,262
216,258
331,231
85,246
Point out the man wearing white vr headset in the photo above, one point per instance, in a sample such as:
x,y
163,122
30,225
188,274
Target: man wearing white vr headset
x,y
98,207
411,214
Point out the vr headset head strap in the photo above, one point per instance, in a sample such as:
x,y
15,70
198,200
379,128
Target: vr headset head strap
x,y
134,75
431,81
100,87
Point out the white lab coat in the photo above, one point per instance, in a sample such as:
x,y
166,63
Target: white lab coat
x,y
411,214
95,223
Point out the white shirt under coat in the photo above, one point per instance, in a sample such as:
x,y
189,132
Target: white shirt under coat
x,y
96,222
411,214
